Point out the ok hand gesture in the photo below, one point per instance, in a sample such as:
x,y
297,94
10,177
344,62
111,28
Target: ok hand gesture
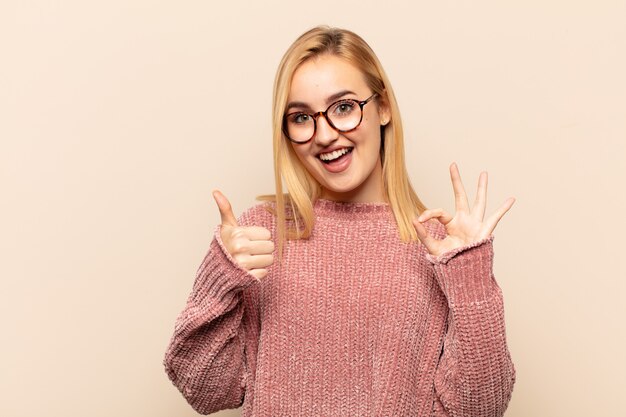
x,y
466,226
251,247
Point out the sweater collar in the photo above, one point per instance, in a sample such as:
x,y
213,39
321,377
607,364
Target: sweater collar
x,y
342,208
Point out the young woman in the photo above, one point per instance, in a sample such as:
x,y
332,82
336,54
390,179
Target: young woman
x,y
374,305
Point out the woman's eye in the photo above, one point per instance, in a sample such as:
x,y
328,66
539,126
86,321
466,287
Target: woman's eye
x,y
299,118
343,108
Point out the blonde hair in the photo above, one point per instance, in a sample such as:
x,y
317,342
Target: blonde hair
x,y
296,206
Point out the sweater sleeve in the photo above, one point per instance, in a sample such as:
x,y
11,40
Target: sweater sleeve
x,y
475,375
206,358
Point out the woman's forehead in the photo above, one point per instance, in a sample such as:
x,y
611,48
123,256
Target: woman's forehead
x,y
322,77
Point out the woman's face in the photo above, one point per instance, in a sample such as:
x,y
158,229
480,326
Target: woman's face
x,y
357,175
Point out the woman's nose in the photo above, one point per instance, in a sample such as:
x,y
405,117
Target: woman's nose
x,y
324,133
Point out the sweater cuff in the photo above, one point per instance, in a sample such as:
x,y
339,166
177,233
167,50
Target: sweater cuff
x,y
219,275
465,274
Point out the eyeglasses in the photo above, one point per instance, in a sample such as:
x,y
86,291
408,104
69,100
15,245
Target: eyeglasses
x,y
343,115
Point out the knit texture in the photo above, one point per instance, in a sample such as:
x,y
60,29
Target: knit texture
x,y
353,322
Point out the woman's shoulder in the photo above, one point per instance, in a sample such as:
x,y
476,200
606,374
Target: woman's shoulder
x,y
259,214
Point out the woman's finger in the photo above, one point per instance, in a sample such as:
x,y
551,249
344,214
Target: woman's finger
x,y
261,247
226,210
424,237
258,233
249,262
493,220
259,273
480,204
460,197
440,214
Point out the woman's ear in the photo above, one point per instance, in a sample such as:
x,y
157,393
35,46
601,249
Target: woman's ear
x,y
384,111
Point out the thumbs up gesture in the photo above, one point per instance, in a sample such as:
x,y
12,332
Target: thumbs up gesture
x,y
251,247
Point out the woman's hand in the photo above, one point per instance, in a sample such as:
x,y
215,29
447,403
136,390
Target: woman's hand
x,y
251,247
466,226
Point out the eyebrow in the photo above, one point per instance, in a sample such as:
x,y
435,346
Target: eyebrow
x,y
329,100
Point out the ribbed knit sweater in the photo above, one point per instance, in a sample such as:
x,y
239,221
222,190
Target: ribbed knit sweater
x,y
352,322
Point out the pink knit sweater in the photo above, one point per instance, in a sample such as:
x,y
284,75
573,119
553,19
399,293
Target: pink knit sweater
x,y
353,322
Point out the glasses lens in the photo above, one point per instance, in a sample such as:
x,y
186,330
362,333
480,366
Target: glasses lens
x,y
299,127
345,114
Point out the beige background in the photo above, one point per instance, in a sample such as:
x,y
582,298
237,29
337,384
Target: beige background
x,y
117,119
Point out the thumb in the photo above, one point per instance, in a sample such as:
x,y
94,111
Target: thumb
x,y
226,211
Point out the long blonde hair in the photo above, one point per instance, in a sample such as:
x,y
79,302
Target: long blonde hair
x,y
296,206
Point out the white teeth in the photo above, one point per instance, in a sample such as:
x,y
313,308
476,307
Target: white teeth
x,y
333,155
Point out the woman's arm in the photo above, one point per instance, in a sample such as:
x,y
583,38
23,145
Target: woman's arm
x,y
475,375
205,358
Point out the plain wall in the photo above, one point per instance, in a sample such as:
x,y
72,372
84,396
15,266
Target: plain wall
x,y
118,118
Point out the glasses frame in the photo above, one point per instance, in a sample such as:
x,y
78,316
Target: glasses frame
x,y
314,116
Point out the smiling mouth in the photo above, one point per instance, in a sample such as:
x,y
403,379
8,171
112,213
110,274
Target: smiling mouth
x,y
334,156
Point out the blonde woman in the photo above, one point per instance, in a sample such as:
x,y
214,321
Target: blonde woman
x,y
368,303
